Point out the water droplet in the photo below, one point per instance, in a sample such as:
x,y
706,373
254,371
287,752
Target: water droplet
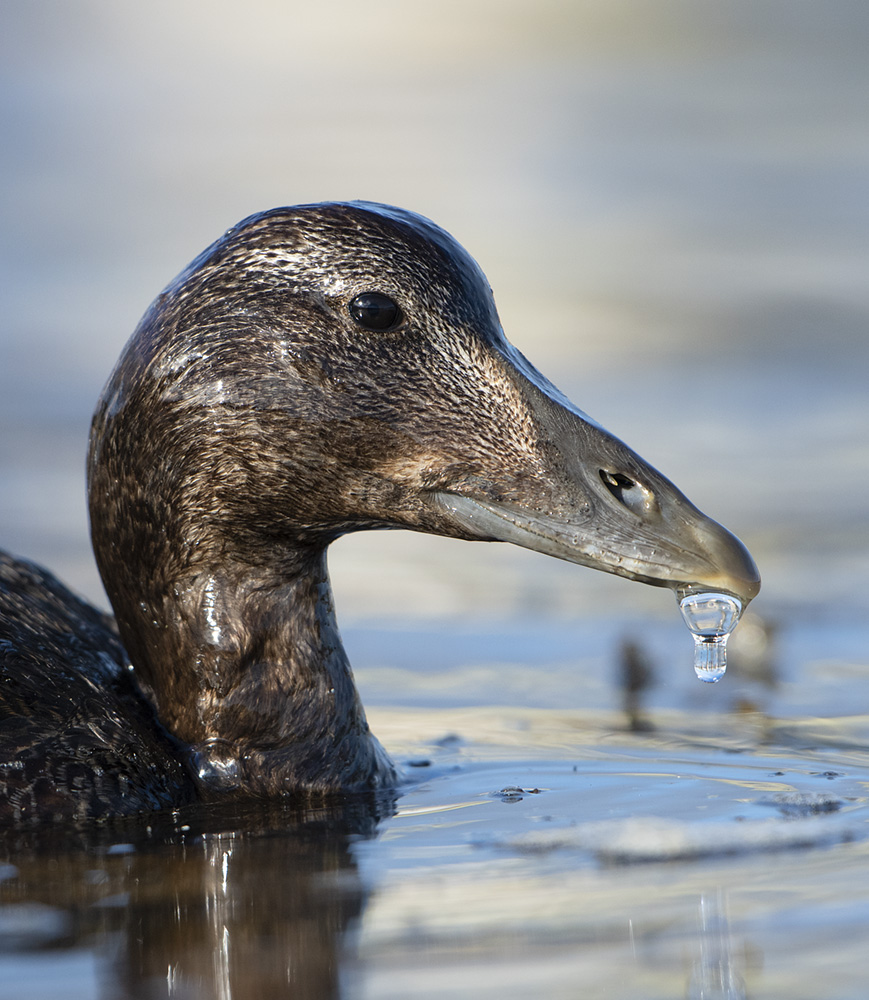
x,y
711,618
215,763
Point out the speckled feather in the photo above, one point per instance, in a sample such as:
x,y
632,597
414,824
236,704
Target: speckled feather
x,y
250,421
74,733
252,407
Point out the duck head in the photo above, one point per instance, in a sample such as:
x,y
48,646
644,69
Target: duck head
x,y
332,368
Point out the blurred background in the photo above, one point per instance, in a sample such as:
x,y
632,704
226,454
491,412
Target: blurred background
x,y
669,200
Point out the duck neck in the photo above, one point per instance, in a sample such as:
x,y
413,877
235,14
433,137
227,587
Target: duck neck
x,y
246,667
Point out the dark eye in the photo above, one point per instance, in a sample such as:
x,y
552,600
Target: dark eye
x,y
375,311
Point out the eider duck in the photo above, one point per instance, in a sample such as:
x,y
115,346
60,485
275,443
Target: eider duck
x,y
318,370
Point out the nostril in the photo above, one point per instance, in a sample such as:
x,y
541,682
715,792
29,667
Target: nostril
x,y
616,481
628,492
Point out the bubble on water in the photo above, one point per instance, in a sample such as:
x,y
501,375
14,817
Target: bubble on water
x,y
711,618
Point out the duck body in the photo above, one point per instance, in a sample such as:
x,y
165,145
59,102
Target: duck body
x,y
76,737
319,370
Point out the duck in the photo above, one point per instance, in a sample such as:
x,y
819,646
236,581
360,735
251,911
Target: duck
x,y
319,370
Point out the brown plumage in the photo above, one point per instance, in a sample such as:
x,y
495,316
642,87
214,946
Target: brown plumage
x,y
318,370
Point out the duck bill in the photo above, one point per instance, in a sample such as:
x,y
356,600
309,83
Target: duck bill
x,y
703,557
600,505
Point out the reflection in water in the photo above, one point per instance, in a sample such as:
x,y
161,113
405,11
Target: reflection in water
x,y
231,905
636,676
714,976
